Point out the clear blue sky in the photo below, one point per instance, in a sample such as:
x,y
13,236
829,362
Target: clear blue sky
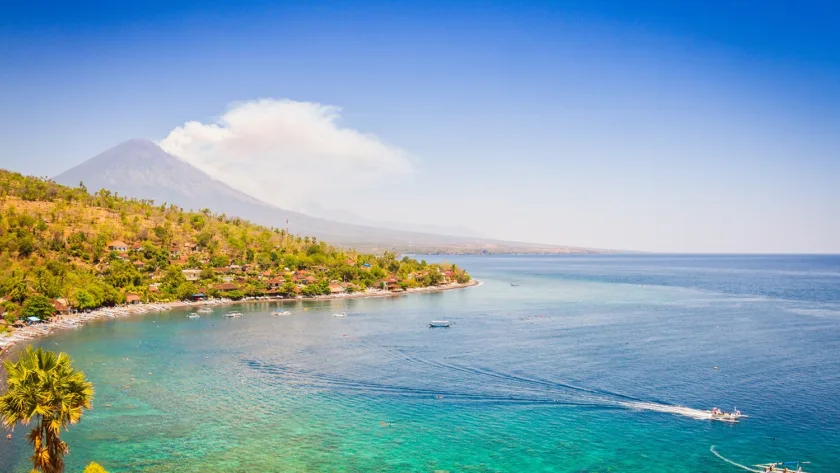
x,y
664,126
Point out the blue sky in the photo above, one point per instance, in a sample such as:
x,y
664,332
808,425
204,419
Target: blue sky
x,y
663,126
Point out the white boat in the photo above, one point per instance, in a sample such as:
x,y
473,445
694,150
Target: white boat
x,y
439,323
342,314
733,416
193,316
775,467
204,310
779,467
233,314
279,312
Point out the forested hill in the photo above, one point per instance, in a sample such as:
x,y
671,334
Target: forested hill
x,y
67,246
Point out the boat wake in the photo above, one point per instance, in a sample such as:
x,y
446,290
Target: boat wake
x,y
506,388
690,412
743,467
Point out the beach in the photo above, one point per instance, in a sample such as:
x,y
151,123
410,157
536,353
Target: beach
x,y
9,340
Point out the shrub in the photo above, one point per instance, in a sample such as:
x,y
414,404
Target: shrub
x,y
94,468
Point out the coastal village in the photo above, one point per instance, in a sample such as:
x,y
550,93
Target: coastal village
x,y
235,281
66,252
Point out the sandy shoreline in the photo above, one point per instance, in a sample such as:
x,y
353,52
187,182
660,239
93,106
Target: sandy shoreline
x,y
31,332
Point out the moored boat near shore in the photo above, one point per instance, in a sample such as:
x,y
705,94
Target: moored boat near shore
x,y
75,320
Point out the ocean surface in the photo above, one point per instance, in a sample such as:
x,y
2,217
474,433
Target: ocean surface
x,y
554,364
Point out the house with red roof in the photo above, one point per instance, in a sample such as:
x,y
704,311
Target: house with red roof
x,y
391,284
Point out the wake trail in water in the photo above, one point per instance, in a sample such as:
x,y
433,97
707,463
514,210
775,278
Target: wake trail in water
x,y
743,467
320,381
515,378
698,414
556,394
604,396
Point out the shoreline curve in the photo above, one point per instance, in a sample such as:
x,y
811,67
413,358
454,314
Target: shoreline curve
x,y
20,336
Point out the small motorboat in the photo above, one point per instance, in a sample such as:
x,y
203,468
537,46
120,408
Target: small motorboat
x,y
340,314
779,467
233,314
722,416
439,323
775,467
193,316
204,310
514,284
281,312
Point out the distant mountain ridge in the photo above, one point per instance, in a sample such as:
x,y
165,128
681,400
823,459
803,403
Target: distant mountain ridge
x,y
316,210
139,168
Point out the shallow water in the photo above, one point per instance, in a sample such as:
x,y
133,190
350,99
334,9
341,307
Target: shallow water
x,y
583,367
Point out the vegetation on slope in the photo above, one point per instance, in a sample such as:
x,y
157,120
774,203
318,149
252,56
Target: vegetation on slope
x,y
62,246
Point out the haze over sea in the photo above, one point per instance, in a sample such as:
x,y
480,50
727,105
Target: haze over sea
x,y
580,367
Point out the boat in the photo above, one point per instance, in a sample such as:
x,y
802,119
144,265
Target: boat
x,y
193,316
439,323
722,416
780,467
341,314
233,314
204,310
514,284
278,312
775,467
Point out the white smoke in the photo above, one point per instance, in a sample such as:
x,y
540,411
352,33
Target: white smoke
x,y
286,152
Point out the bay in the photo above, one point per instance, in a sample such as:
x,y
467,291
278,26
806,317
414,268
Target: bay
x,y
554,364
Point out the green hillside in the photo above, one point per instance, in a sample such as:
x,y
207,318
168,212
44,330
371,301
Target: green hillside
x,y
64,246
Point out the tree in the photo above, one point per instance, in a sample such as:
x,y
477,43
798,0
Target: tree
x,y
207,274
44,387
26,244
38,306
85,300
219,261
288,289
45,283
173,278
99,246
15,286
235,295
185,290
11,313
434,277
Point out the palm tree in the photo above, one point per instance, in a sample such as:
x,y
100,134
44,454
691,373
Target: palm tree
x,y
45,387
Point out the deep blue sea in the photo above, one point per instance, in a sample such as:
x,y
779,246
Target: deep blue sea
x,y
554,364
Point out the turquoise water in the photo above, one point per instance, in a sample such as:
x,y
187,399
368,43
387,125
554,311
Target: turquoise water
x,y
577,369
